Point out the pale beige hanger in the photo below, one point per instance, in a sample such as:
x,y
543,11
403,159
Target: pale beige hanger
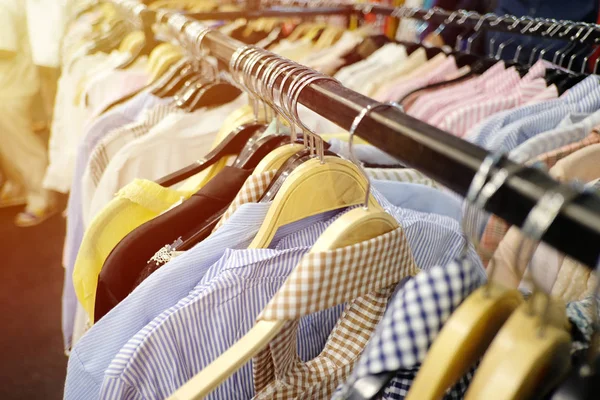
x,y
532,350
470,329
339,183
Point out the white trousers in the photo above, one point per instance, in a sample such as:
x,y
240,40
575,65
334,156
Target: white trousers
x,y
22,152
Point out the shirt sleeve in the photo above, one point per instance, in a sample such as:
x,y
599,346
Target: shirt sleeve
x,y
9,39
79,383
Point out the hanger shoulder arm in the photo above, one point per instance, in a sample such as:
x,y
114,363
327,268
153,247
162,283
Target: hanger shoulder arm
x,y
230,361
463,340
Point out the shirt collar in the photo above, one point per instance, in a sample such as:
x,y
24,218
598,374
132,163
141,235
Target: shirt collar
x,y
415,317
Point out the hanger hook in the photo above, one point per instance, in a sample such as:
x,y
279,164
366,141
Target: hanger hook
x,y
291,69
520,46
357,120
429,14
536,224
311,77
262,61
298,74
477,30
484,186
237,64
446,22
250,77
281,69
271,73
464,15
580,52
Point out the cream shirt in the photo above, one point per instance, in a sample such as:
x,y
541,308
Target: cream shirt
x,y
46,23
176,142
18,75
582,165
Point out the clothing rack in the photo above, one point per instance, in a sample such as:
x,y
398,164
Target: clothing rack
x,y
449,160
585,33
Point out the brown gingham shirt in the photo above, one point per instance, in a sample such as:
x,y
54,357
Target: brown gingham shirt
x,y
363,275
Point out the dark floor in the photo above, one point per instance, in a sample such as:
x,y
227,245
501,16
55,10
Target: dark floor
x,y
32,362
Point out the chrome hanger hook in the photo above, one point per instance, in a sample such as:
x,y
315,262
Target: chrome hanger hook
x,y
357,120
484,186
537,223
312,77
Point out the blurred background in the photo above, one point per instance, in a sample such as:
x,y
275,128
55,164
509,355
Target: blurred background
x,y
33,197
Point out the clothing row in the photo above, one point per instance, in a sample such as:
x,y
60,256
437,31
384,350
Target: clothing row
x,y
161,281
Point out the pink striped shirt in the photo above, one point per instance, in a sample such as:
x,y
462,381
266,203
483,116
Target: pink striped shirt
x,y
502,85
460,121
426,106
438,74
508,95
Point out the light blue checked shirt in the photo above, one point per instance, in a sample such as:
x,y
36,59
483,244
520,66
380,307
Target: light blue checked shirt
x,y
570,132
223,307
113,119
175,280
489,128
413,320
520,131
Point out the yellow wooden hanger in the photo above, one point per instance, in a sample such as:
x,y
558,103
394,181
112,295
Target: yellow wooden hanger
x,y
329,37
132,42
532,350
471,328
362,223
169,55
299,31
339,183
312,34
527,357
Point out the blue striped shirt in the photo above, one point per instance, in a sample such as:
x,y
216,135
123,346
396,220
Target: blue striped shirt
x,y
222,308
518,132
499,134
564,134
489,129
164,288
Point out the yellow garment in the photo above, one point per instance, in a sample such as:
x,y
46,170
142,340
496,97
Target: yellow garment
x,y
135,204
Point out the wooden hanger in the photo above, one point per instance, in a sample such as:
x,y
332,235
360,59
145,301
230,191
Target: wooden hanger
x,y
168,57
265,330
471,328
233,143
532,350
339,183
363,223
583,382
132,42
339,175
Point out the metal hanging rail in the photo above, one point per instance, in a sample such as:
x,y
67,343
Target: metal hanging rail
x,y
273,12
448,159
